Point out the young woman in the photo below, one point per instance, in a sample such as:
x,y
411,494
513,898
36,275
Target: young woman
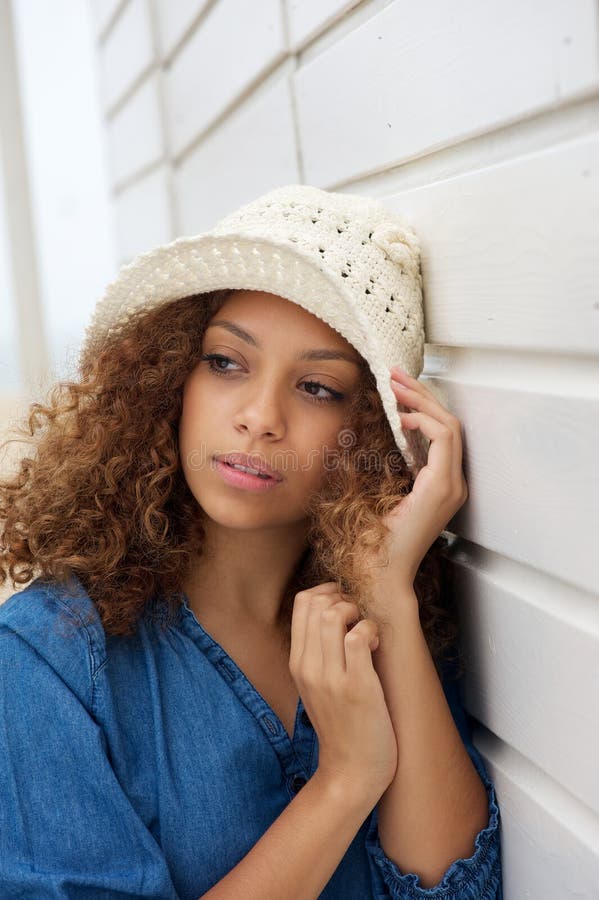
x,y
232,672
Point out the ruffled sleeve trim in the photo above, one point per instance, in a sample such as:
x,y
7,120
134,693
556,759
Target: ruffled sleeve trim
x,y
477,877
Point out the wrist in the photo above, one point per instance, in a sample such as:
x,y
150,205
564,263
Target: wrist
x,y
391,603
344,790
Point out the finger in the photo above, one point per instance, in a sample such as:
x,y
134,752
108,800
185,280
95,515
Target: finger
x,y
413,394
333,628
327,587
414,399
399,376
312,656
299,618
411,398
360,643
444,457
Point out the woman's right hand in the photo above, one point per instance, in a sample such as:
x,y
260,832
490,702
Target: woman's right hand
x,y
341,691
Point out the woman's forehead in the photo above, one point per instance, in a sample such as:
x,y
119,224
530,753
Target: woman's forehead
x,y
261,311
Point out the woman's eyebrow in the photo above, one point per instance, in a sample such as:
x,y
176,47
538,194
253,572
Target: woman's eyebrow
x,y
316,354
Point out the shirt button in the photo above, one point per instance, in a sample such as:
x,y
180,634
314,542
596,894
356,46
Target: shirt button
x,y
297,783
306,719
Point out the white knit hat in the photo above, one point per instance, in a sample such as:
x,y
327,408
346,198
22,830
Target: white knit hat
x,y
345,258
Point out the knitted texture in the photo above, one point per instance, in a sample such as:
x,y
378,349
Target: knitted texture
x,y
345,258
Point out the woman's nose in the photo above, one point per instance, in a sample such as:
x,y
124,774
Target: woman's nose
x,y
262,413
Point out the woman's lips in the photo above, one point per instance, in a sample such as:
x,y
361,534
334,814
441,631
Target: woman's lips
x,y
245,480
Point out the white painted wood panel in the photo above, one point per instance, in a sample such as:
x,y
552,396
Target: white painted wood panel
x,y
102,12
135,136
308,18
549,840
417,77
127,52
529,460
174,18
532,645
143,215
232,49
510,252
251,152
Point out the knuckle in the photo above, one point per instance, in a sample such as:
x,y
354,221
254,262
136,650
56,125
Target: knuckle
x,y
364,630
330,614
319,590
355,637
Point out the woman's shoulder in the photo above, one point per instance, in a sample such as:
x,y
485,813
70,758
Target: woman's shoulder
x,y
57,624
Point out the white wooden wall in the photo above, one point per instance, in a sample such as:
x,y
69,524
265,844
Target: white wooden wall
x,y
480,122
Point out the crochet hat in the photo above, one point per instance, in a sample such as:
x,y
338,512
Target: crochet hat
x,y
345,258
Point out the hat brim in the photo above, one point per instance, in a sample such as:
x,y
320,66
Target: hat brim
x,y
209,262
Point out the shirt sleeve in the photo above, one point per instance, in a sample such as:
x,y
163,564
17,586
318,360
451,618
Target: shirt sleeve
x,y
67,829
479,876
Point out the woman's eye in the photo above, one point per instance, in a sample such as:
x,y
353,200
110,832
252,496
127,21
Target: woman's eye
x,y
213,360
331,394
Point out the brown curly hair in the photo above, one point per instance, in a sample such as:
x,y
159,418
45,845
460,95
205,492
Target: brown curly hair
x,y
104,497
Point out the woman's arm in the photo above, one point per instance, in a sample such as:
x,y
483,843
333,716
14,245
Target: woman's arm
x,y
67,828
437,805
296,857
357,755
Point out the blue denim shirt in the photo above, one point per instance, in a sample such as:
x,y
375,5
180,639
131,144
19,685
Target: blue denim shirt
x,y
148,766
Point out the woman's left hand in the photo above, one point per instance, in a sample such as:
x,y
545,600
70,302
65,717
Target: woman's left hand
x,y
439,489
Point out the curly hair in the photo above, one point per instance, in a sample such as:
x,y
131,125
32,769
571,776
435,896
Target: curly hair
x,y
103,497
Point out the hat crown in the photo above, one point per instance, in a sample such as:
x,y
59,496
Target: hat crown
x,y
372,251
343,257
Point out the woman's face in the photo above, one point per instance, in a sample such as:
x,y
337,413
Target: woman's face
x,y
262,400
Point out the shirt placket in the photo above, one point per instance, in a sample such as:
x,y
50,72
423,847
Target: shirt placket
x,y
296,756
